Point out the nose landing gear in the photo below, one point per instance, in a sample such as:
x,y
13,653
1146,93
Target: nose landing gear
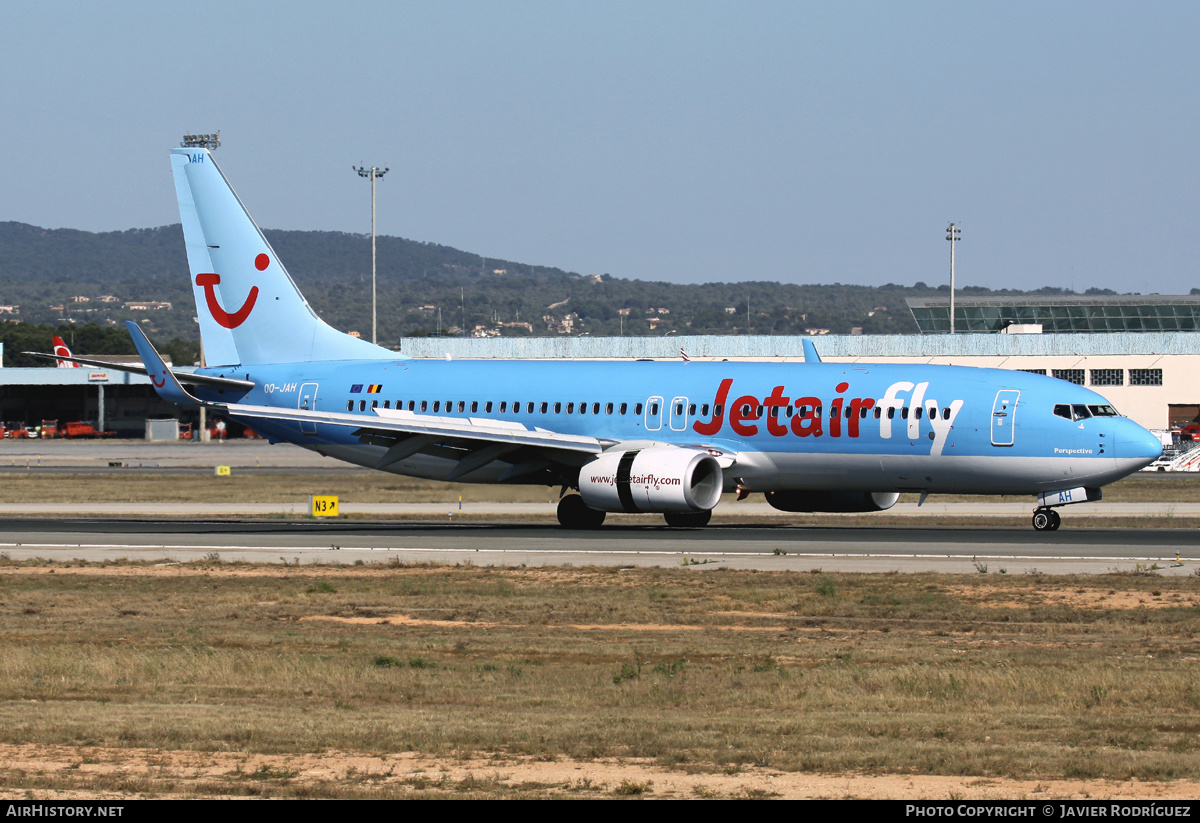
x,y
1046,520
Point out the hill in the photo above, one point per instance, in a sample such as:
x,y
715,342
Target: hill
x,y
52,276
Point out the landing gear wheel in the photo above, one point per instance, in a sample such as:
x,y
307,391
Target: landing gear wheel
x,y
1046,520
693,520
573,513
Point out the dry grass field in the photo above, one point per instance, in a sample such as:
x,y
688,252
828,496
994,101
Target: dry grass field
x,y
223,680
365,486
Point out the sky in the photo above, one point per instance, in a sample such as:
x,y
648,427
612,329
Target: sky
x,y
692,142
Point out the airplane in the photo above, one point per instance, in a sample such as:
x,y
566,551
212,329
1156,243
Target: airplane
x,y
61,350
654,437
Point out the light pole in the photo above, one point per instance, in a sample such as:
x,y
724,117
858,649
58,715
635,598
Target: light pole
x,y
375,173
953,234
206,141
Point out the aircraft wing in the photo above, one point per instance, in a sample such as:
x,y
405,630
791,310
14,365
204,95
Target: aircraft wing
x,y
397,422
182,377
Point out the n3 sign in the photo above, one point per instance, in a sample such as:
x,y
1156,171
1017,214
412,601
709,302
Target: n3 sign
x,y
324,505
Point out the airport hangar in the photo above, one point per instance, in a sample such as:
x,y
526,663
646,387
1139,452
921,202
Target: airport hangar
x,y
1140,352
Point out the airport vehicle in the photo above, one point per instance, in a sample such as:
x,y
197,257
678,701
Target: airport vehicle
x,y
83,429
650,437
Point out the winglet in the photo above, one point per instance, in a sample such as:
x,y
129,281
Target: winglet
x,y
165,383
810,351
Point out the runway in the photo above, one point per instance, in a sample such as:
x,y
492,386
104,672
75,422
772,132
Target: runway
x,y
763,547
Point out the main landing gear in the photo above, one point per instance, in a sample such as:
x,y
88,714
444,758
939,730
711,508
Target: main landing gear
x,y
1046,520
573,513
694,520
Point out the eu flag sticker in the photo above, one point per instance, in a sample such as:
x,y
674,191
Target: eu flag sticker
x,y
356,388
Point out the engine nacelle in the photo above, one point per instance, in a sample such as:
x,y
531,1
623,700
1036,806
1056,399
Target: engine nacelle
x,y
659,479
818,501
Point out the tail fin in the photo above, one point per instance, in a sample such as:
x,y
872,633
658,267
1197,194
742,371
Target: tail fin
x,y
60,348
249,308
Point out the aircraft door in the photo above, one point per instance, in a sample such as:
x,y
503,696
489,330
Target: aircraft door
x,y
679,415
307,402
653,414
1004,417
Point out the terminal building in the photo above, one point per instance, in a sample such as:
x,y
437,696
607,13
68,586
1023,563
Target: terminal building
x,y
1142,353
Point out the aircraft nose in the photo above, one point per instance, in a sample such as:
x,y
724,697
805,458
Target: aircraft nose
x,y
1134,442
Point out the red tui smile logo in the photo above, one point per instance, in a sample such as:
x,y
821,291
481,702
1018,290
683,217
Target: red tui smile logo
x,y
230,320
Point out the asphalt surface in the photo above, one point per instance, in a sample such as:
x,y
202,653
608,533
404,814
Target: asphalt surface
x,y
99,531
802,548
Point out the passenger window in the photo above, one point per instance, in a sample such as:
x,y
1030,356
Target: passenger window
x,y
946,413
437,406
529,408
412,404
637,409
608,409
718,409
349,405
474,406
570,408
503,406
558,408
678,408
462,406
878,412
387,404
653,409
583,408
624,408
692,410
374,404
703,410
891,412
362,405
904,412
487,407
917,412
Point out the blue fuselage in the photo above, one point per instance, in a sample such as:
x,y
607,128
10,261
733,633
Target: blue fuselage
x,y
829,426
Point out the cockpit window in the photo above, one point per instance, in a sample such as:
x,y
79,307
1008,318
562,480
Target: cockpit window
x,y
1080,411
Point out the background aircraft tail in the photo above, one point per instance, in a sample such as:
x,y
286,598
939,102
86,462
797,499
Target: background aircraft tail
x,y
60,348
249,308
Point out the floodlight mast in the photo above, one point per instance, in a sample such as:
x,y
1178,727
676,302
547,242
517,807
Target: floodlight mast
x,y
202,141
953,234
375,173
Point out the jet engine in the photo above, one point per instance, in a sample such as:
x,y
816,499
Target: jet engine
x,y
823,501
658,479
